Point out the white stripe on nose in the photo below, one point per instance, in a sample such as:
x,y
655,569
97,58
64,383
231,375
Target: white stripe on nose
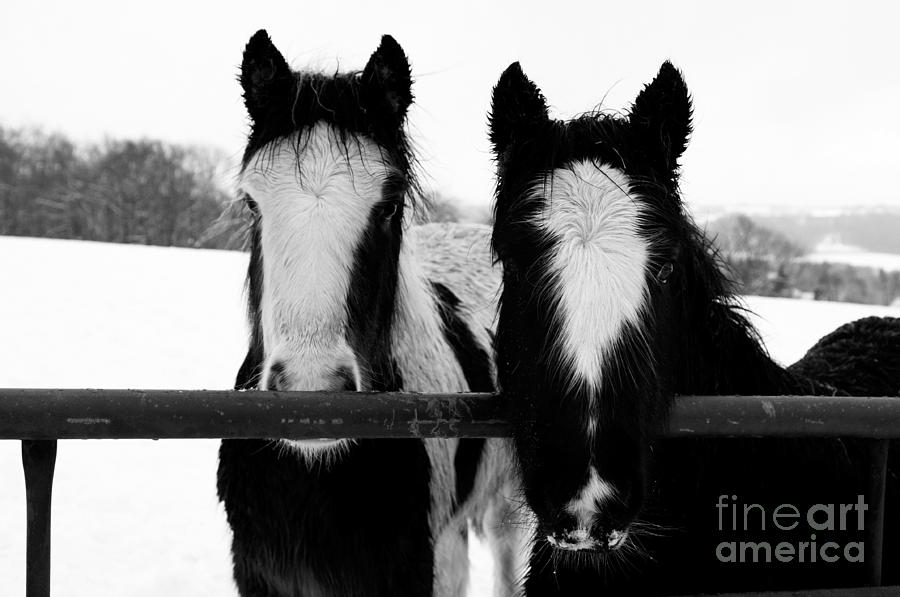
x,y
585,505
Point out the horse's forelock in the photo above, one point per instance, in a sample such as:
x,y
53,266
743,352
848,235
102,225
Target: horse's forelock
x,y
338,99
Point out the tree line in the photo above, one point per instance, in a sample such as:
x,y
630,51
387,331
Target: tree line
x,y
125,191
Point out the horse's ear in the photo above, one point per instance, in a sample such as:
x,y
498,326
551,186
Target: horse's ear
x,y
387,79
517,106
265,75
662,114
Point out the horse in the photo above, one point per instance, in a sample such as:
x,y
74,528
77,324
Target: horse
x,y
613,303
344,293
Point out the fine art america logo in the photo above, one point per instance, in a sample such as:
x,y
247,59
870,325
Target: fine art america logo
x,y
756,521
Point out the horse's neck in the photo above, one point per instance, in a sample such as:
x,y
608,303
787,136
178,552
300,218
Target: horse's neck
x,y
425,359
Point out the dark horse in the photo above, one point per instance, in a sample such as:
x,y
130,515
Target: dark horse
x,y
613,303
344,294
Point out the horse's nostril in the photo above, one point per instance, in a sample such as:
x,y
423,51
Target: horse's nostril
x,y
275,379
616,539
346,379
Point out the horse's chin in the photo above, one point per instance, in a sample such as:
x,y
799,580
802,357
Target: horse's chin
x,y
314,451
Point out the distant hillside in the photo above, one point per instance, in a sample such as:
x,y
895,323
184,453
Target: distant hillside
x,y
875,230
742,237
768,262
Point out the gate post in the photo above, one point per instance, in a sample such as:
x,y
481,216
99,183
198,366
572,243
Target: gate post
x,y
39,461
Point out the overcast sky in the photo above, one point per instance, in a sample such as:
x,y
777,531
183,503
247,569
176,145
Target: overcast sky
x,y
795,103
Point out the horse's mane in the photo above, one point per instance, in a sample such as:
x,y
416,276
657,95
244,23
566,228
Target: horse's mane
x,y
723,352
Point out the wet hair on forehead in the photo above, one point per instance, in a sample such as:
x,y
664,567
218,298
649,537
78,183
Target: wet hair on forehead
x,y
343,147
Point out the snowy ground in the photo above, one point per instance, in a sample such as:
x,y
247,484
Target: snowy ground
x,y
140,518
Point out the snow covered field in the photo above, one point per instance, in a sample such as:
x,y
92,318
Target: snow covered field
x,y
851,255
889,262
140,518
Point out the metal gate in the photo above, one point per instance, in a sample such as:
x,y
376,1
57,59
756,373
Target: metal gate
x,y
41,417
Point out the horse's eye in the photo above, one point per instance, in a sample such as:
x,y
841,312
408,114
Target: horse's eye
x,y
251,203
665,271
386,210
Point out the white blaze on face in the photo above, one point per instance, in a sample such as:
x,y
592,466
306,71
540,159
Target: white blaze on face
x,y
599,261
314,210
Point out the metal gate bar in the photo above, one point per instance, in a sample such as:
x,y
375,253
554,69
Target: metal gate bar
x,y
194,414
851,592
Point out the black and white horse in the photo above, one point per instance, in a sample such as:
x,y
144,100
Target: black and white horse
x,y
614,302
345,295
